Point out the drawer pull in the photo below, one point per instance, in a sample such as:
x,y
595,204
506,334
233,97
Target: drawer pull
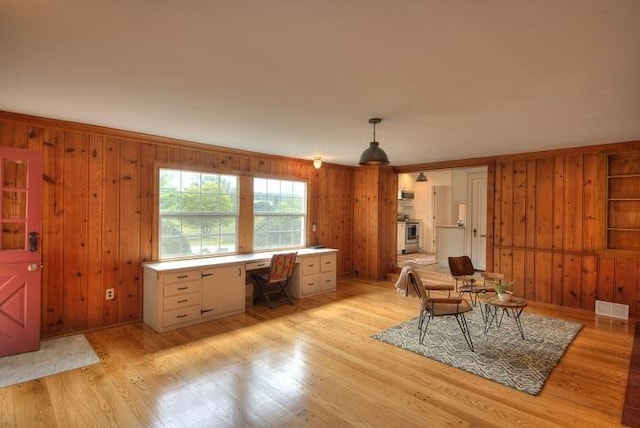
x,y
204,311
207,274
183,301
182,276
311,265
183,288
181,316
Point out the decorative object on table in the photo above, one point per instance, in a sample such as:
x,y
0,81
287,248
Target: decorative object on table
x,y
500,356
503,290
56,355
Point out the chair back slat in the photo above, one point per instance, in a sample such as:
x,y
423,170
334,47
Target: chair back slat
x,y
282,266
461,266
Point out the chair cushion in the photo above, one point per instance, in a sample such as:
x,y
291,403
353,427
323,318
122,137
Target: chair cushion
x,y
440,307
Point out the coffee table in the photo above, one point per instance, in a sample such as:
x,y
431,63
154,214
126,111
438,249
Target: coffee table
x,y
513,308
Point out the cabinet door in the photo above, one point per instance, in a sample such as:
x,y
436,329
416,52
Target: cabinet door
x,y
402,230
223,290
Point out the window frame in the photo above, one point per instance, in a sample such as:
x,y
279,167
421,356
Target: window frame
x,y
245,217
157,223
304,214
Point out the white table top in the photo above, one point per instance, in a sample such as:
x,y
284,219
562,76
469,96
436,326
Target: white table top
x,y
229,260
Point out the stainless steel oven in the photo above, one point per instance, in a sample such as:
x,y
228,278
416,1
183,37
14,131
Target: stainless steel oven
x,y
412,237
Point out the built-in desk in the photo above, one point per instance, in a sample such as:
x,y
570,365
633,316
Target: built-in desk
x,y
185,292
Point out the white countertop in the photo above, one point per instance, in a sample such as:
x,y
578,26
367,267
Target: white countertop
x,y
229,260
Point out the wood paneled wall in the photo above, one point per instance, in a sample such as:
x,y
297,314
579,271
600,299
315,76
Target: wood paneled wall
x,y
98,204
374,222
549,229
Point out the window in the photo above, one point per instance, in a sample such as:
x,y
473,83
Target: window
x,y
279,210
198,213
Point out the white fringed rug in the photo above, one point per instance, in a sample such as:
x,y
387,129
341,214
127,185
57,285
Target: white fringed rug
x,y
54,356
501,355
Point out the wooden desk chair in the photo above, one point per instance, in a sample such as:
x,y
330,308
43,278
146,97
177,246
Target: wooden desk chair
x,y
431,307
462,270
272,286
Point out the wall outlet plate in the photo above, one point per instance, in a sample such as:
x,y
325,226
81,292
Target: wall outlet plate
x,y
110,294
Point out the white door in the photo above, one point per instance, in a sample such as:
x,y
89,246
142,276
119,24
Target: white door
x,y
478,226
441,210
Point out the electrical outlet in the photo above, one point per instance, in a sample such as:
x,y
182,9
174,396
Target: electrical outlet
x,y
110,294
314,227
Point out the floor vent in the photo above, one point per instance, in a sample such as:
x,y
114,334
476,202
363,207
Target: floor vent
x,y
615,310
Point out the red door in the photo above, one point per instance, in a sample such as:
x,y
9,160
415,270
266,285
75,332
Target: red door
x,y
20,254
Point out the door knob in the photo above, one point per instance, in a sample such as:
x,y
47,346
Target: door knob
x,y
32,267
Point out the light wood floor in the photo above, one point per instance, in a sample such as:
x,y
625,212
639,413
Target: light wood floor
x,y
315,365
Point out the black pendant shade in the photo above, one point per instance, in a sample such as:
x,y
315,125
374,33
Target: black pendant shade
x,y
374,155
421,177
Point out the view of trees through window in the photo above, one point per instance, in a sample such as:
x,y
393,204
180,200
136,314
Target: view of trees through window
x,y
279,213
198,213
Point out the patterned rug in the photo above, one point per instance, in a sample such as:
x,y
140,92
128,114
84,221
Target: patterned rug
x,y
54,356
501,355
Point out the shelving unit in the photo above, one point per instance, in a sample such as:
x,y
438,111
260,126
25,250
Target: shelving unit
x,y
623,202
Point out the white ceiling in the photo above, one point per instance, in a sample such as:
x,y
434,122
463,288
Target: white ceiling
x,y
451,79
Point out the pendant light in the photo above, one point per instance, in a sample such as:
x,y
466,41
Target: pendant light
x,y
374,155
421,177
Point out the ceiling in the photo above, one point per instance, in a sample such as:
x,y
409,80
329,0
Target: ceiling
x,y
452,79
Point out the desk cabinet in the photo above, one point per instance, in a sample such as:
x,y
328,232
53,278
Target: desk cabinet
x,y
313,274
223,291
184,292
174,299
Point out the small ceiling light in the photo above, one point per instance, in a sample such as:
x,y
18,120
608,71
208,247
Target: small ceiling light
x,y
374,155
317,162
421,177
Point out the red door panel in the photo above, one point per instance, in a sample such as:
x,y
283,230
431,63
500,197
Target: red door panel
x,y
20,250
19,309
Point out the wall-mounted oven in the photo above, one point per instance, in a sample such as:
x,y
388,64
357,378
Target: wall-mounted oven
x,y
412,237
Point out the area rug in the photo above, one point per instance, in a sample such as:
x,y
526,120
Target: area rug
x,y
501,355
54,356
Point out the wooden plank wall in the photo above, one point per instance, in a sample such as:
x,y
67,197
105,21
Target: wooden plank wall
x,y
374,222
548,230
98,203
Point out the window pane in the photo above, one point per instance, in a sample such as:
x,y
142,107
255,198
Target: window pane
x,y
279,214
198,213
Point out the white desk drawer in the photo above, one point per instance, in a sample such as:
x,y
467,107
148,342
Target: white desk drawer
x,y
181,301
327,281
182,288
257,265
310,265
182,276
328,263
181,315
